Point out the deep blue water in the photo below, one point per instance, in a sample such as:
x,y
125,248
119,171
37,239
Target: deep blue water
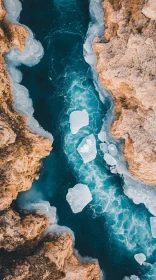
x,y
111,228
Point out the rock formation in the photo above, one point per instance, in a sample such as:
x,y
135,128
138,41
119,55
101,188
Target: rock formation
x,y
21,150
126,63
52,259
24,254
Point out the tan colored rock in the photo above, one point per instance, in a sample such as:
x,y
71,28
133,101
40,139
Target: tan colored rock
x,y
54,259
126,64
21,150
17,229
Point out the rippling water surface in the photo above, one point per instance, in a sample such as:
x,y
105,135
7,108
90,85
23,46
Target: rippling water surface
x,y
111,228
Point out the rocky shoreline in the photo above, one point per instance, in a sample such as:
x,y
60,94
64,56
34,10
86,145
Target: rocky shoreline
x,y
126,62
25,253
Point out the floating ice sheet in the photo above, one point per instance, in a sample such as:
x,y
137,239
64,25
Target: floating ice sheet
x,y
78,119
102,135
109,159
140,258
104,147
112,150
78,197
153,226
87,148
132,277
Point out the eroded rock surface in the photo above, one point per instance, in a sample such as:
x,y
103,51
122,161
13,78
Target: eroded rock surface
x,y
21,150
53,259
17,229
126,63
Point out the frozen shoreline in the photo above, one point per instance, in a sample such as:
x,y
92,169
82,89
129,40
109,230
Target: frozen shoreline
x,y
30,56
134,189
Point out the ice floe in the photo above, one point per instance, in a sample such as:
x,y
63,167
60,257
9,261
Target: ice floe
x,y
109,159
104,147
112,150
132,277
78,197
78,119
102,135
87,148
140,258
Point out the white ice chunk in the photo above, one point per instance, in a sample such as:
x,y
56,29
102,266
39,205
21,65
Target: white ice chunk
x,y
78,119
153,226
104,147
87,148
109,159
13,8
113,170
78,197
102,135
140,258
45,208
132,277
112,150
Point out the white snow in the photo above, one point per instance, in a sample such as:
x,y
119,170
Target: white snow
x,y
78,119
30,56
102,135
78,197
140,258
13,8
112,150
104,147
153,226
45,208
87,148
109,159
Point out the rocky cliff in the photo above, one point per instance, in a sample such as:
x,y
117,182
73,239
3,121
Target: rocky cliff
x,y
126,63
52,259
24,253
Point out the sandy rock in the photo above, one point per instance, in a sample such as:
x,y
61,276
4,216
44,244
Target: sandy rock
x,y
16,229
21,150
126,65
53,259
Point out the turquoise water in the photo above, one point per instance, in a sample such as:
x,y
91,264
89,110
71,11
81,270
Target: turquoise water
x,y
111,228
